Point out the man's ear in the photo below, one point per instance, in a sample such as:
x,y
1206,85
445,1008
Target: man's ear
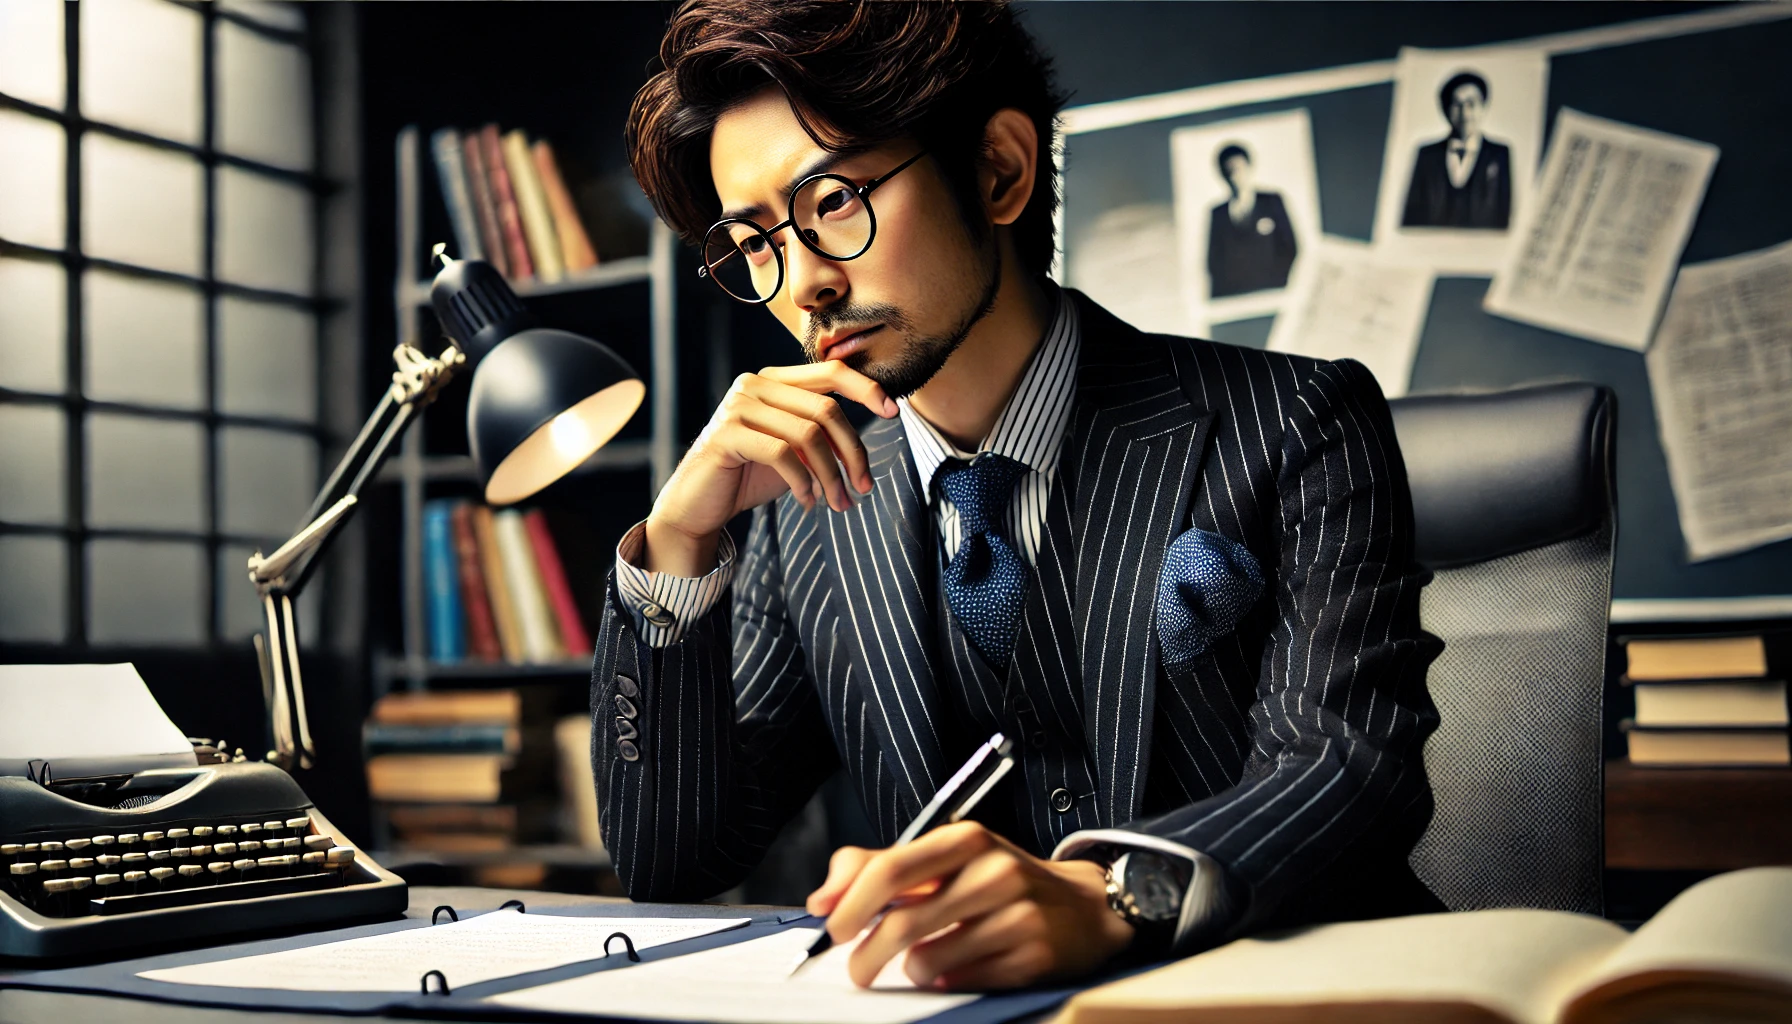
x,y
1009,164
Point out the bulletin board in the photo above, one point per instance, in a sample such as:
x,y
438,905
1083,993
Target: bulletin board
x,y
1716,76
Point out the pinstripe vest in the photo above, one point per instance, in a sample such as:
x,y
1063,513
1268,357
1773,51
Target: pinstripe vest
x,y
1052,794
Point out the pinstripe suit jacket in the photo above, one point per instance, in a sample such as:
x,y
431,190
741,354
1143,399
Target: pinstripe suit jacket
x,y
1289,752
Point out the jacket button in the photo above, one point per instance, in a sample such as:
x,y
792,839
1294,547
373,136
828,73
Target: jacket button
x,y
625,706
1037,739
625,729
627,687
1061,800
628,751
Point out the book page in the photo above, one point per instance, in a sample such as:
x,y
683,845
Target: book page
x,y
495,945
1510,964
745,983
1737,924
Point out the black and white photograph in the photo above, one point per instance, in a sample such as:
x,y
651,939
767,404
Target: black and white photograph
x,y
1462,147
1247,206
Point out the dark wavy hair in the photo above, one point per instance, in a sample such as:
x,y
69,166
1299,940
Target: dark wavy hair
x,y
858,74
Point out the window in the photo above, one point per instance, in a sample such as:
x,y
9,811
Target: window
x,y
160,315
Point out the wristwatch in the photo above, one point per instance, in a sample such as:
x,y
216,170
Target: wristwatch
x,y
1146,890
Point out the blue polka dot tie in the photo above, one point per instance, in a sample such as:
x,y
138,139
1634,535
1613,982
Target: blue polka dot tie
x,y
986,580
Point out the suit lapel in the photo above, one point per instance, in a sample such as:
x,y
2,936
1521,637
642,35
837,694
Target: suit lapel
x,y
1133,455
878,549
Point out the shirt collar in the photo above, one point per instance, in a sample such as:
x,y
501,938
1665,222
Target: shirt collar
x,y
1030,428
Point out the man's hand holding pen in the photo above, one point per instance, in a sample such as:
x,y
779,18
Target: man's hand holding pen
x,y
974,912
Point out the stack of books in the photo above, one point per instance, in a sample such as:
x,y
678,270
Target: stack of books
x,y
497,588
1704,701
509,205
436,761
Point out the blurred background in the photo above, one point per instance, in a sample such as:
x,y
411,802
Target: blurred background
x,y
215,221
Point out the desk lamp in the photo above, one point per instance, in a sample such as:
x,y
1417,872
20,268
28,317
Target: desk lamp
x,y
542,402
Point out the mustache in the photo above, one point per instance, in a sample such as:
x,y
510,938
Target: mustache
x,y
851,315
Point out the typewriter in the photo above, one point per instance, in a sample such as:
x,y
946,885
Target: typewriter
x,y
174,854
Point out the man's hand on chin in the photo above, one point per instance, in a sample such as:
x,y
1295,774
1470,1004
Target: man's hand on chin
x,y
976,911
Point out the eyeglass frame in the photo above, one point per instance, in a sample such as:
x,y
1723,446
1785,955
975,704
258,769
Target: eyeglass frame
x,y
860,192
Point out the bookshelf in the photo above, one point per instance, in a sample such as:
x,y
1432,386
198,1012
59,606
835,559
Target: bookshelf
x,y
415,469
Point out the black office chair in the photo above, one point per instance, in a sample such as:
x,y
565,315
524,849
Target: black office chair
x,y
1512,494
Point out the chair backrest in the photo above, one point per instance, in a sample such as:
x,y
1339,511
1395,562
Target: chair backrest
x,y
1513,502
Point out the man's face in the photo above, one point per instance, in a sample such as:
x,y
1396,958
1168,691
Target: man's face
x,y
895,313
1239,174
1467,109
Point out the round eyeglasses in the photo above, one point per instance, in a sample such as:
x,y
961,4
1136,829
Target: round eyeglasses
x,y
831,215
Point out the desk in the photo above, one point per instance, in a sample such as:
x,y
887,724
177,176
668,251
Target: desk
x,y
25,1007
1696,819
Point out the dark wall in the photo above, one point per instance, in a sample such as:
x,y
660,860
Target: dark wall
x,y
1724,87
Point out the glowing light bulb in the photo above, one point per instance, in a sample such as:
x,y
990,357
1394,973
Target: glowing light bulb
x,y
570,434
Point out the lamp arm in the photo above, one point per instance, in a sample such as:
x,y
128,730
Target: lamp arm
x,y
279,578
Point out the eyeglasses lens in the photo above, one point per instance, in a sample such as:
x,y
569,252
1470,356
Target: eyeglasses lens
x,y
832,217
741,261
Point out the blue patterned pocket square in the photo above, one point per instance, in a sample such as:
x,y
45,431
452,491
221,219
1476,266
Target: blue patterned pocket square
x,y
1209,582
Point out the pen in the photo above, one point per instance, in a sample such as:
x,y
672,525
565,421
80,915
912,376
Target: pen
x,y
954,800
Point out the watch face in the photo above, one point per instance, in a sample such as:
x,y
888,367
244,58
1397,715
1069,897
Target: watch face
x,y
1152,886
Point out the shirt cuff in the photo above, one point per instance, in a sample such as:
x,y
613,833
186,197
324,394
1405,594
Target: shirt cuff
x,y
664,605
1206,907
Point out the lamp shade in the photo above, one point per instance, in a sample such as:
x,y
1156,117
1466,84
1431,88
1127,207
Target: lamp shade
x,y
543,400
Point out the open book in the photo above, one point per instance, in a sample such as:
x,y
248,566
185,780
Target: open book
x,y
1720,952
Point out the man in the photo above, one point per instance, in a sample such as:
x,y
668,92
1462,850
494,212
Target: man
x,y
1465,179
1179,574
1250,244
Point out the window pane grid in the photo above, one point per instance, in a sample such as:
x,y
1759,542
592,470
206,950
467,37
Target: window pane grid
x,y
90,547
314,304
305,179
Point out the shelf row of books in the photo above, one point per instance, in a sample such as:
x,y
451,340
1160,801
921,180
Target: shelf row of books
x,y
497,589
478,771
1704,702
509,205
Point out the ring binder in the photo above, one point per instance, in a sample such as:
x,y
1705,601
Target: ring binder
x,y
518,904
435,916
626,941
441,979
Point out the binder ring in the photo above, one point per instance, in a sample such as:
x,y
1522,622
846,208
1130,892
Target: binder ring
x,y
518,904
441,982
626,941
435,917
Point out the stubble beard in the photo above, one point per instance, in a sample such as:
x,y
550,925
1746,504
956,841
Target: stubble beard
x,y
909,369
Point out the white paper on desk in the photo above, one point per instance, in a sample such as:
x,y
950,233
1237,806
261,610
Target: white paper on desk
x,y
85,720
495,945
745,983
1721,373
1596,249
1350,303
